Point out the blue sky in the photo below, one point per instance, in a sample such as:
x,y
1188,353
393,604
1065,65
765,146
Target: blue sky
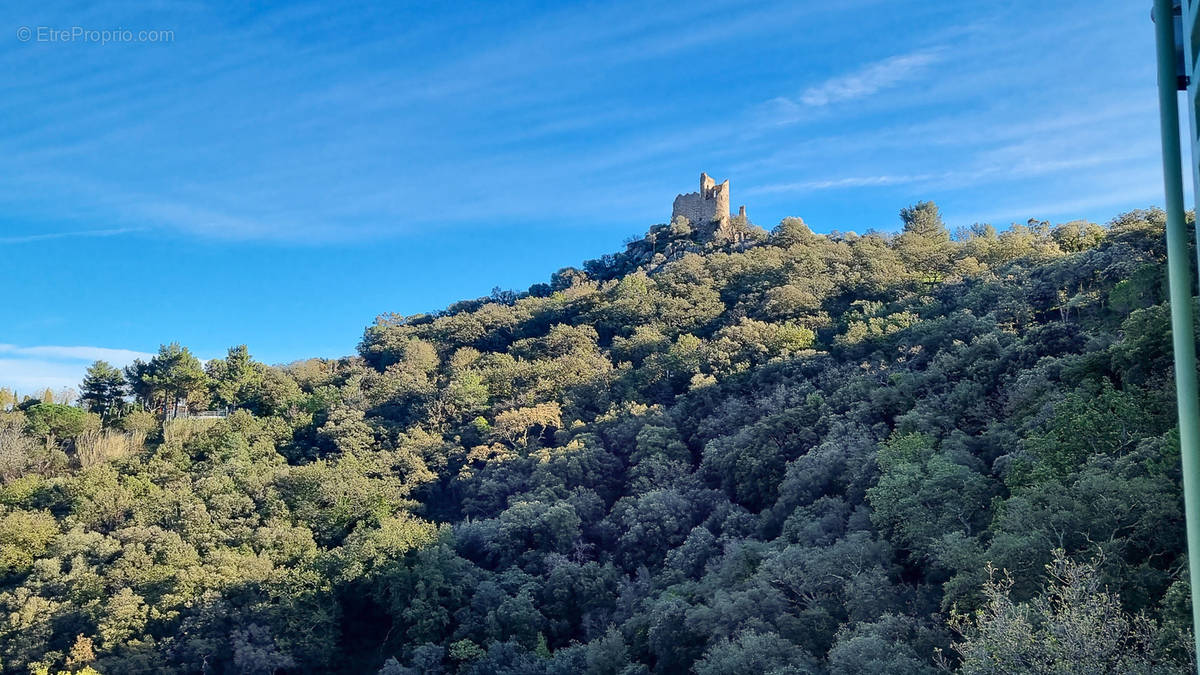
x,y
278,175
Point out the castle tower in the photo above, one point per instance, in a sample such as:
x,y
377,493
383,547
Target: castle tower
x,y
709,206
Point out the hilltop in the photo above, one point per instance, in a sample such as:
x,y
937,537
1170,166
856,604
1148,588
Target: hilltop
x,y
720,450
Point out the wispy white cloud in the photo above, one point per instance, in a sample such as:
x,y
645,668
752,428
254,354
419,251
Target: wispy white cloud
x,y
27,376
28,238
1066,209
1080,151
415,140
870,79
37,367
76,353
837,183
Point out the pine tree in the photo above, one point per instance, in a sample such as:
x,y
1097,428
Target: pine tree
x,y
103,390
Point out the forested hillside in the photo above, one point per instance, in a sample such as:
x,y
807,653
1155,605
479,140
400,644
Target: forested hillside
x,y
713,453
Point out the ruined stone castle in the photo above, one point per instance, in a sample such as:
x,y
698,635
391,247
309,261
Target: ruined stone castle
x,y
708,206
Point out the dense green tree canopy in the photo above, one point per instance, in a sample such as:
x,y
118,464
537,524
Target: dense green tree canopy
x,y
103,390
172,377
708,453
